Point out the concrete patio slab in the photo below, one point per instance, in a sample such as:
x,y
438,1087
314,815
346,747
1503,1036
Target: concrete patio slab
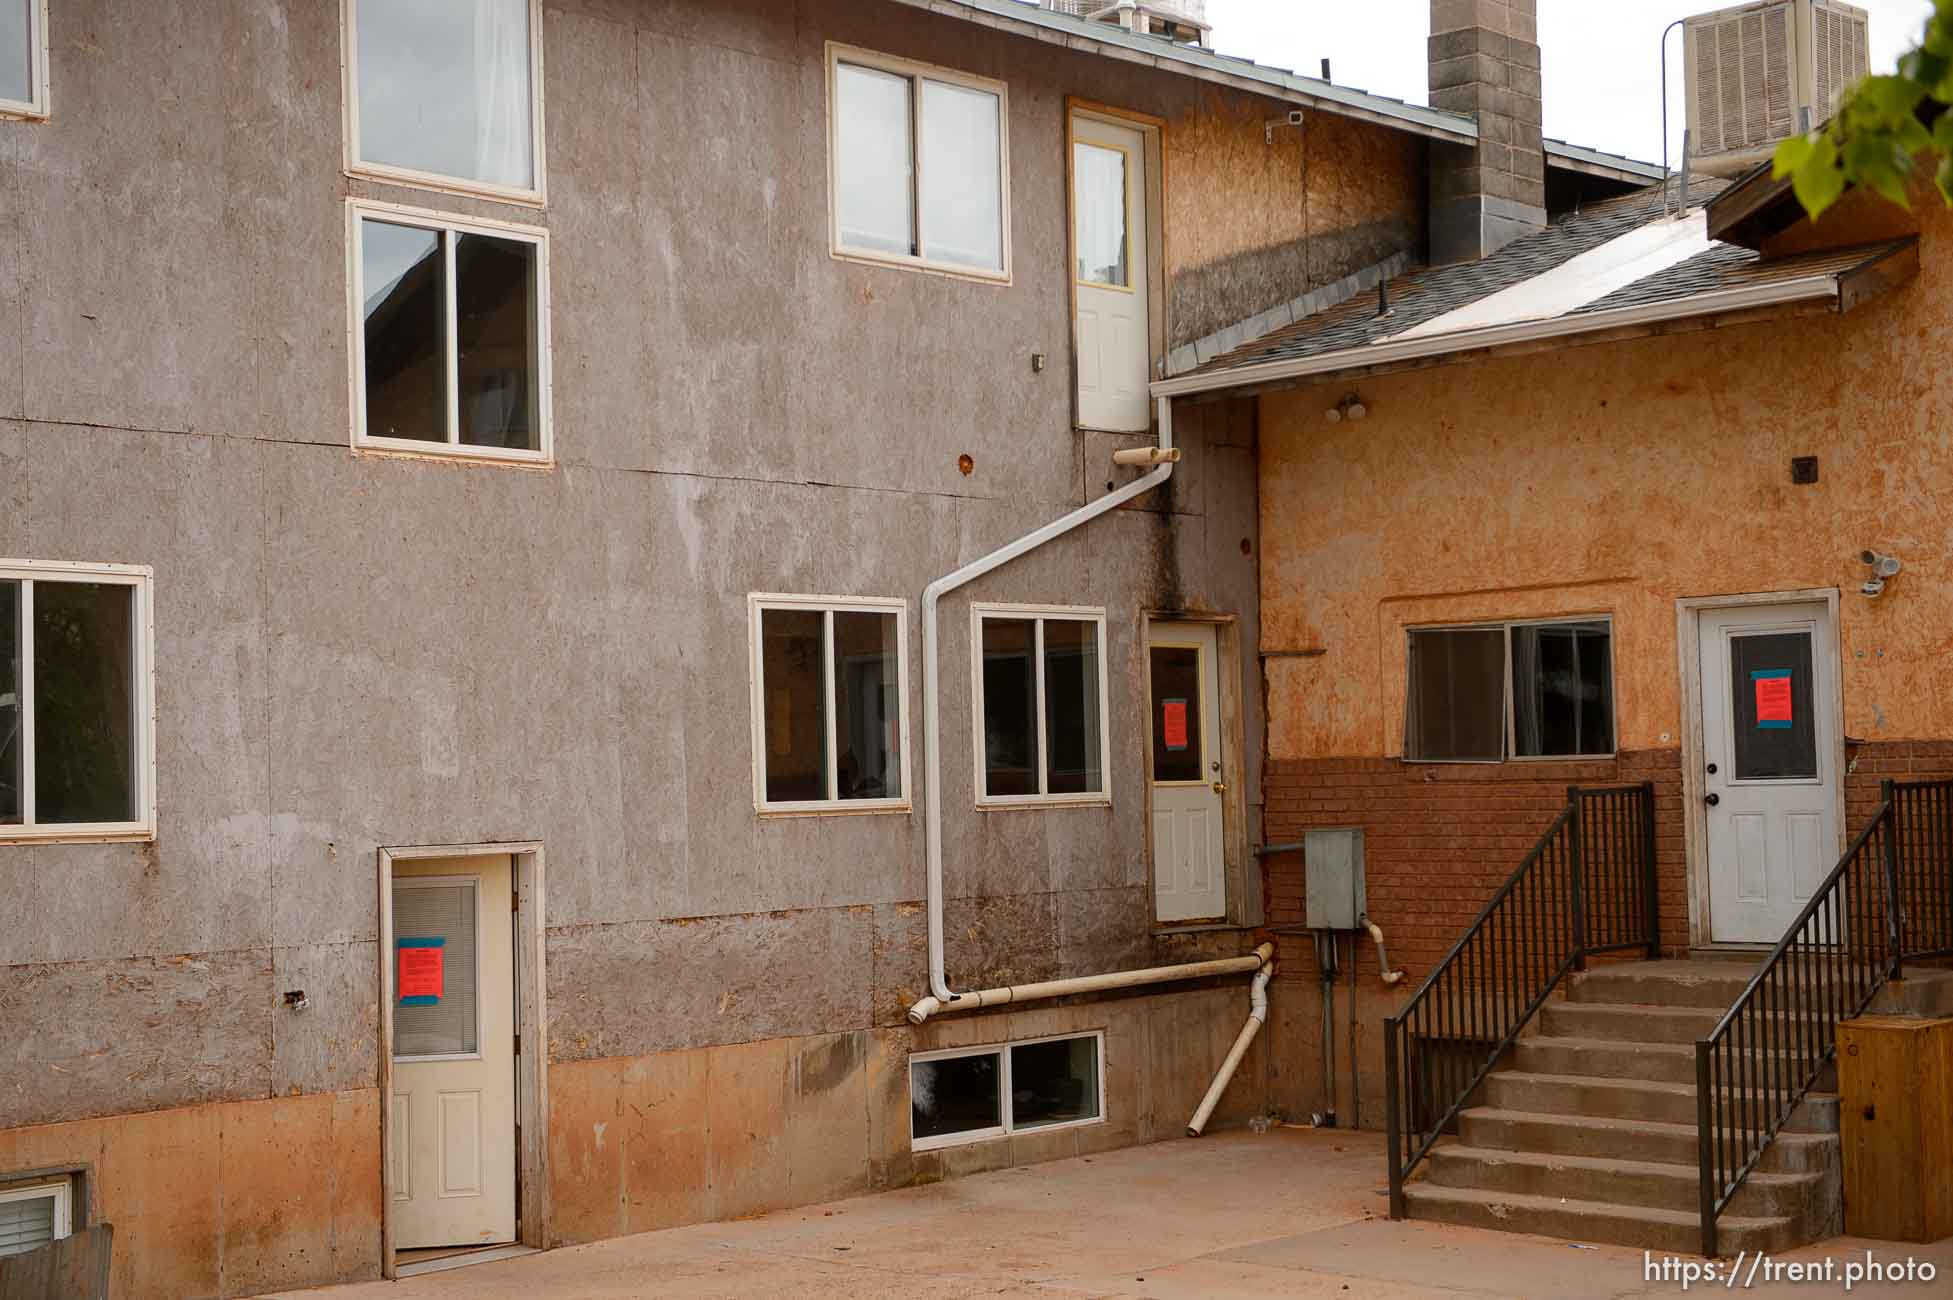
x,y
1290,1213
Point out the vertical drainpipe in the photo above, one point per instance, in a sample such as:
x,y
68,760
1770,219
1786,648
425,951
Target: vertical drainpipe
x,y
932,759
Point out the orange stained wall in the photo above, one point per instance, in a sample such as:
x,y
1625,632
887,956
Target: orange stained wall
x,y
1614,478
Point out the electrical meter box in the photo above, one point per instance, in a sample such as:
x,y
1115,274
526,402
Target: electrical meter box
x,y
1333,864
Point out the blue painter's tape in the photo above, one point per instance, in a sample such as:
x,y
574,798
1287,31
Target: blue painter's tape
x,y
420,943
420,1002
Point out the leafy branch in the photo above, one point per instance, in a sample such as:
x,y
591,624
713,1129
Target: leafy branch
x,y
1879,135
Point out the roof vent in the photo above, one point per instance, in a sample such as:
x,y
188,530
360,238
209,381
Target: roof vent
x,y
1755,70
1177,20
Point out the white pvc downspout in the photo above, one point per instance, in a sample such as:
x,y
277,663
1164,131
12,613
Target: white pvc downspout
x,y
1257,1013
1162,458
1124,979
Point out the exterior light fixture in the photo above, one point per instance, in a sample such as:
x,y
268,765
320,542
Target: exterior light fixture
x,y
1350,408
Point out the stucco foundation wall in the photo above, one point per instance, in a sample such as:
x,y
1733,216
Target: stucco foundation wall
x,y
654,1141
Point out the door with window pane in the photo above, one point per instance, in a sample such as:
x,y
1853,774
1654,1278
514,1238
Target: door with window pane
x,y
1109,271
1185,767
1770,764
453,989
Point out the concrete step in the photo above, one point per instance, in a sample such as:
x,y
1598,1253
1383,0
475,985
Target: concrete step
x,y
1629,1139
1623,1022
1674,1232
1613,1058
1664,983
1616,1182
1626,1098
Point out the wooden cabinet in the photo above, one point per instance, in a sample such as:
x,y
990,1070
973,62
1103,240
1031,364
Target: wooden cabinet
x,y
1895,1092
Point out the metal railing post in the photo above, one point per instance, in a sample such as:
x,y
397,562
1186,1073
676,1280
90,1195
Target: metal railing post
x,y
1574,871
1705,1102
1649,859
1393,1104
1895,963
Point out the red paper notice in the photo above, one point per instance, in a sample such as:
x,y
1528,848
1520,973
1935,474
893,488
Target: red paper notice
x,y
1773,699
1174,723
420,972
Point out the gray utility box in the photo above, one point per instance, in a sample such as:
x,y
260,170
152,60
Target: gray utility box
x,y
1333,862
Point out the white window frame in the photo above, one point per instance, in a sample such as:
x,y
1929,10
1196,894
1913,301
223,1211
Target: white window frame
x,y
454,449
1009,1125
34,108
439,882
759,601
1510,704
143,694
1094,614
837,54
534,196
61,1191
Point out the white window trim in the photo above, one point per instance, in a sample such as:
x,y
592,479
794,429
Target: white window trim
x,y
35,109
60,1191
536,196
758,601
424,219
143,673
1009,1125
1510,704
980,610
837,54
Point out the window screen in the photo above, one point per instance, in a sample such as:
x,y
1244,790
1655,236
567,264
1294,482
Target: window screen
x,y
1770,680
27,1222
1457,694
1562,689
435,990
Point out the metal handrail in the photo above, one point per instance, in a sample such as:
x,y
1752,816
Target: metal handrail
x,y
1888,899
1587,886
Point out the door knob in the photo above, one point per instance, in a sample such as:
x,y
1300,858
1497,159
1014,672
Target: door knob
x,y
1712,798
1220,787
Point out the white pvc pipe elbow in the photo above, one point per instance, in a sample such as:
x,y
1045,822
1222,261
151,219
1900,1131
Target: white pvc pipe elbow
x,y
1257,1013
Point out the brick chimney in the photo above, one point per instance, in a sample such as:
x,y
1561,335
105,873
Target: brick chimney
x,y
1484,58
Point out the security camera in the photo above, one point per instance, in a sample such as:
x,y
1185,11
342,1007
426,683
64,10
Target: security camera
x,y
1883,566
1295,117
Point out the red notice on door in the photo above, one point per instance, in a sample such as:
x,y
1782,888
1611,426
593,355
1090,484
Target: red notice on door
x,y
1772,697
1173,723
418,982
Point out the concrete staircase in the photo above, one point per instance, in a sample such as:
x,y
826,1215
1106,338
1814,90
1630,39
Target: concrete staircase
x,y
1588,1132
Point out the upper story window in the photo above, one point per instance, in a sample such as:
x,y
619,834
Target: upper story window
x,y
76,754
23,58
447,93
1041,702
451,335
1521,690
830,689
919,165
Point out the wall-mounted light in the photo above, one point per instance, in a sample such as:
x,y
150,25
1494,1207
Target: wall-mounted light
x,y
1350,408
1883,567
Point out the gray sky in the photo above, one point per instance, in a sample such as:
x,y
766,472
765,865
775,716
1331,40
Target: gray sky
x,y
1601,59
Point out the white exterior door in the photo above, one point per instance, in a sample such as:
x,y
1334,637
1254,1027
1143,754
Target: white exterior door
x,y
1109,267
453,990
1189,870
1770,759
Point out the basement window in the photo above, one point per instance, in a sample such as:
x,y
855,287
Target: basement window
x,y
35,1215
446,93
1041,696
920,165
830,703
23,58
968,1094
76,749
451,335
1489,692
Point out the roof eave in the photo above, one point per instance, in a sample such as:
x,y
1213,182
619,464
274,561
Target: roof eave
x,y
1114,42
1592,162
1804,289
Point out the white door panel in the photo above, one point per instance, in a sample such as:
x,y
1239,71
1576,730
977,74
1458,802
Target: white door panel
x,y
1770,781
453,1052
1110,272
1187,772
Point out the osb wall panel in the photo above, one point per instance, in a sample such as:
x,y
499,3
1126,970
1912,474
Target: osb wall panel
x,y
1614,478
230,1199
1438,839
1251,223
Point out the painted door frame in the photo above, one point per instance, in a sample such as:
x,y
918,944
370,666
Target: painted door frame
x,y
1243,904
1153,130
1695,818
532,1046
